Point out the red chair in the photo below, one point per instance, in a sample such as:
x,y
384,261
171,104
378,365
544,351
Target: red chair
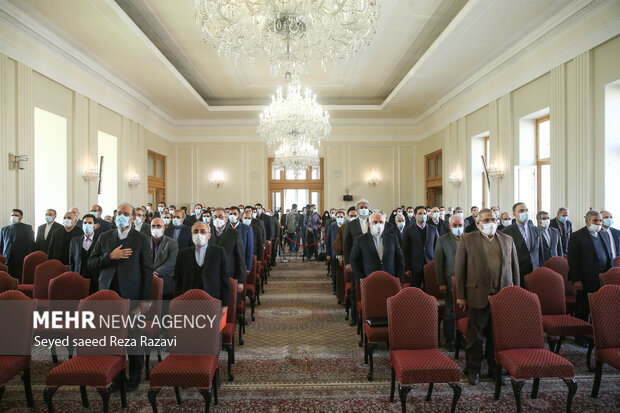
x,y
612,276
20,324
183,370
2,259
520,344
151,329
414,352
560,265
460,323
43,274
30,263
4,268
375,290
348,284
228,333
88,369
604,310
617,261
267,265
7,282
252,285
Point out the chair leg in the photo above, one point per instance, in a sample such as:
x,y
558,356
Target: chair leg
x,y
105,397
498,382
589,355
371,350
230,352
365,339
177,395
598,373
347,306
572,389
456,391
27,388
147,362
252,303
206,394
457,345
551,343
241,342
392,385
233,351
159,354
1,393
429,393
54,354
153,398
517,385
84,396
70,351
558,345
121,384
48,395
402,393
535,387
215,386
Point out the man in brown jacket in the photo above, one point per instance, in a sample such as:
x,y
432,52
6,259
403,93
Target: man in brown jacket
x,y
486,261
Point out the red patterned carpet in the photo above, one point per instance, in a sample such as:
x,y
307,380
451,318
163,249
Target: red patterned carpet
x,y
301,356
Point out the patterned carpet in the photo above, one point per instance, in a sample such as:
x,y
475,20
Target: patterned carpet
x,y
301,356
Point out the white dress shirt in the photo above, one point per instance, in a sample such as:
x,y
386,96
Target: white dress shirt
x,y
379,244
200,254
47,229
87,242
123,234
364,225
612,242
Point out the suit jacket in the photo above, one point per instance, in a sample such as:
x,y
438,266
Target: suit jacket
x,y
553,248
330,239
78,261
215,281
164,262
441,225
339,241
351,232
268,223
191,220
185,236
470,220
104,226
529,258
58,246
365,259
583,261
258,240
563,236
41,243
445,253
232,244
471,269
134,274
261,231
16,241
417,253
616,236
247,239
145,229
472,227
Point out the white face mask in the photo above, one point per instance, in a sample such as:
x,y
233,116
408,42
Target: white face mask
x,y
219,223
171,210
410,214
377,229
234,219
435,215
364,213
49,219
507,222
198,211
14,219
247,221
350,219
138,220
254,215
176,222
594,228
545,223
95,213
400,224
459,214
166,221
200,240
421,218
157,232
67,223
489,229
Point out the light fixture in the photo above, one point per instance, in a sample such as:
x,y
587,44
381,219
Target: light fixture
x,y
296,157
496,172
17,161
455,179
374,180
217,179
91,174
134,180
292,33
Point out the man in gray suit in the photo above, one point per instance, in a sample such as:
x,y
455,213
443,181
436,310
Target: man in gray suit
x,y
551,243
486,261
526,237
165,251
445,252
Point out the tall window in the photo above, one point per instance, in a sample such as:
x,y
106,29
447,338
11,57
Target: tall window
x,y
543,167
50,165
612,145
157,177
108,149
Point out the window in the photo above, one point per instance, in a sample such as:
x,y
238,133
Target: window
x,y
433,178
50,165
290,187
108,149
157,177
543,167
612,145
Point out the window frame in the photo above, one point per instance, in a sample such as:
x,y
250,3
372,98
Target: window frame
x,y
540,162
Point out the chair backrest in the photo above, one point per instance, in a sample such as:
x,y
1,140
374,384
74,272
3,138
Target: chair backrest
x,y
43,274
157,292
104,304
517,319
18,324
4,267
612,276
375,290
68,286
231,315
459,312
187,337
617,261
604,309
430,281
412,320
548,285
560,265
2,259
251,277
268,249
7,282
31,261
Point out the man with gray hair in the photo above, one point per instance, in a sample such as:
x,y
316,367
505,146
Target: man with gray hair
x,y
564,225
551,244
614,234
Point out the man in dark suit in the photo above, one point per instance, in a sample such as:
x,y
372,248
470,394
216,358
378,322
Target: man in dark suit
x,y
256,232
330,238
504,221
223,235
124,260
471,221
409,216
437,222
140,223
486,262
101,225
526,237
551,244
58,248
178,231
418,246
161,208
80,248
44,232
564,225
377,250
16,241
588,257
76,212
195,216
614,234
353,230
165,251
266,221
400,224
203,267
245,233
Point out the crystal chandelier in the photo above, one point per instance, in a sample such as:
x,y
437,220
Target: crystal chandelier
x,y
291,32
294,116
293,156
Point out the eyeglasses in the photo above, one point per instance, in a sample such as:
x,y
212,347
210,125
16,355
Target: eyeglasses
x,y
488,220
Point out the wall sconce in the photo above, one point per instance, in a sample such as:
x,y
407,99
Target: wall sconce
x,y
374,180
496,172
134,180
91,174
17,161
217,179
455,179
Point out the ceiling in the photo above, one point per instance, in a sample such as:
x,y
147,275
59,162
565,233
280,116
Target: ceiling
x,y
423,50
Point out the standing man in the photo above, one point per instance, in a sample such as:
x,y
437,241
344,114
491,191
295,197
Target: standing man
x,y
224,236
76,212
330,238
551,244
312,222
471,221
526,238
486,262
266,222
256,233
245,233
44,231
564,225
165,251
195,216
614,234
354,229
399,227
124,260
16,241
418,247
58,248
80,248
140,223
178,231
101,225
437,222
292,221
445,252
504,221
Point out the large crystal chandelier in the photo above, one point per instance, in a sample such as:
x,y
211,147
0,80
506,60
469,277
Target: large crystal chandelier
x,y
295,116
295,156
291,32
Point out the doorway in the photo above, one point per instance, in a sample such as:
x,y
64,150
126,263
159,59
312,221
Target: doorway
x,y
157,178
434,189
289,187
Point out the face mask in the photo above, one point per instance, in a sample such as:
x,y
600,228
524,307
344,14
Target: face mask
x,y
254,214
67,223
160,209
219,223
172,210
49,219
138,220
364,213
400,224
198,211
14,219
247,221
206,220
339,221
594,228
157,232
200,240
176,222
507,222
545,223
258,211
442,214
563,219
166,221
269,213
88,228
332,216
457,231
489,229
234,218
410,214
496,214
435,215
377,229
421,218
122,221
95,213
148,208
459,214
608,222
524,217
